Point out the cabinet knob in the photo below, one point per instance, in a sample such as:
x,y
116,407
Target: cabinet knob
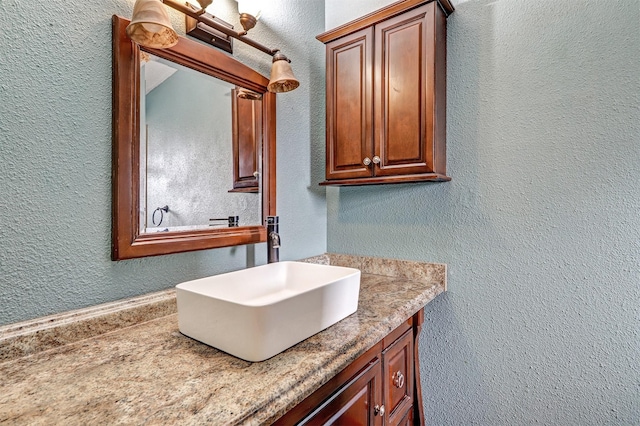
x,y
376,160
398,379
378,410
366,161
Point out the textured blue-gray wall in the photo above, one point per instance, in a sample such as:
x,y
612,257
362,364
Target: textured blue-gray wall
x,y
540,226
55,155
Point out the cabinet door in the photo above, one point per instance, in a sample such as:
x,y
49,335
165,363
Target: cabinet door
x,y
407,419
349,101
398,374
404,93
355,403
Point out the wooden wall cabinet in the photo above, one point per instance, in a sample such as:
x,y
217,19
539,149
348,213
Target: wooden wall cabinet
x,y
381,387
386,96
246,115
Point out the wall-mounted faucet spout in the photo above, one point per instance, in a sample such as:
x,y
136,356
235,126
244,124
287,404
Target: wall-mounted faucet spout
x,y
273,239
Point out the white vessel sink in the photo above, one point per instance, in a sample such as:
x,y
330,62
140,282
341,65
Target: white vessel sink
x,y
257,313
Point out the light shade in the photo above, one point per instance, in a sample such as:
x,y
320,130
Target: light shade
x,y
150,25
243,93
205,3
250,7
282,78
201,4
250,12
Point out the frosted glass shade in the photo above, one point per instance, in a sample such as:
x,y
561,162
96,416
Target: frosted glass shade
x,y
204,4
150,25
282,78
250,7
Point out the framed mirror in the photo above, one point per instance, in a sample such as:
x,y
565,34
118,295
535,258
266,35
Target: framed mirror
x,y
193,149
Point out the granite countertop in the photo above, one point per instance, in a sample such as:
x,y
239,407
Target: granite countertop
x,y
103,366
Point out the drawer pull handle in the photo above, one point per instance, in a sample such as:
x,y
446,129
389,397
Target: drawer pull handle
x,y
398,379
366,161
378,410
377,160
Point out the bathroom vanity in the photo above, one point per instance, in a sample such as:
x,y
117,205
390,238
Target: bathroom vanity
x,y
126,362
381,387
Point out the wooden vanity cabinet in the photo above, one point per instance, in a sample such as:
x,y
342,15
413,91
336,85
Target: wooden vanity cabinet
x,y
386,96
381,387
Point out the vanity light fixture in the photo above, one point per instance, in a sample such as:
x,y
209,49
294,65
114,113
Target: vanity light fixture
x,y
151,27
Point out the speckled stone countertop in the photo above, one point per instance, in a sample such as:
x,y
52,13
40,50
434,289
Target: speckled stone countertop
x,y
100,366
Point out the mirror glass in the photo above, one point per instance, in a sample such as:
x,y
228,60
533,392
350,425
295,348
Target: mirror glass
x,y
187,150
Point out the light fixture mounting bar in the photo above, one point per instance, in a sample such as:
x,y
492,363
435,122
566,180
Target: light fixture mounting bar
x,y
200,17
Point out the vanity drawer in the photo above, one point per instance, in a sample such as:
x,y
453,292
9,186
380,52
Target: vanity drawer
x,y
398,378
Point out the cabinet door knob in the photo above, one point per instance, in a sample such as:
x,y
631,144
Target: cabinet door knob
x,y
398,379
366,161
378,410
376,160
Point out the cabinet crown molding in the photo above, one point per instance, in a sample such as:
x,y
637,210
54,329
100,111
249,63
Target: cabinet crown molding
x,y
380,15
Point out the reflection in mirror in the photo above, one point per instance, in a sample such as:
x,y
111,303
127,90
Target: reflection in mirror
x,y
188,152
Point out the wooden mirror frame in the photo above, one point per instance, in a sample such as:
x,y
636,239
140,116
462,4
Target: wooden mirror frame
x,y
127,241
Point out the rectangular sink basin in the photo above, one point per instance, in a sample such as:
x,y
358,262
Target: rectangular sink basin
x,y
257,313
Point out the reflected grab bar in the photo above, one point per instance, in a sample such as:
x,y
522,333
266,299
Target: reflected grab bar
x,y
232,221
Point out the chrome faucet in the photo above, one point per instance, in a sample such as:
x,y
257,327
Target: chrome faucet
x,y
273,239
